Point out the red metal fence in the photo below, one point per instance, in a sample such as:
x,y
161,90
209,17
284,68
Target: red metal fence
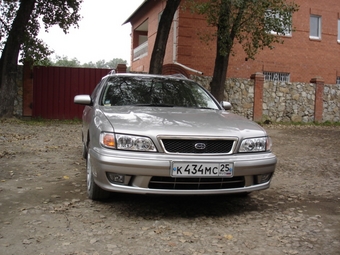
x,y
54,89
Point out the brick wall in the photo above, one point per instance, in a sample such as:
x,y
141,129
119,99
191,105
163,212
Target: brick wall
x,y
149,12
299,55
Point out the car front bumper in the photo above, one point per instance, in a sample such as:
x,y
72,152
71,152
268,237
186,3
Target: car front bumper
x,y
138,168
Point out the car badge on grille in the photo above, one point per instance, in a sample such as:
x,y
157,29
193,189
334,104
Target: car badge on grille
x,y
200,146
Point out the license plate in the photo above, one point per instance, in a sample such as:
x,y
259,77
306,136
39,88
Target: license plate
x,y
190,169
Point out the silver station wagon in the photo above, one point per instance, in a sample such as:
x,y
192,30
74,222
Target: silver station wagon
x,y
153,134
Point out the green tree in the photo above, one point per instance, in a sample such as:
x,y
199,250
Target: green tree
x,y
255,24
158,52
89,65
101,64
114,62
74,62
64,61
19,28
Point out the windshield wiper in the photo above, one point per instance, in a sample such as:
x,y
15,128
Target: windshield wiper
x,y
207,108
159,105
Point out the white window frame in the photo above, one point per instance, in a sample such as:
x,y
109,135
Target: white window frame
x,y
338,30
315,19
338,80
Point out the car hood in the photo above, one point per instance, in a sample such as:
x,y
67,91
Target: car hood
x,y
153,121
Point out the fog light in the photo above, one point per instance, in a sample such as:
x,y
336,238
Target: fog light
x,y
117,178
264,178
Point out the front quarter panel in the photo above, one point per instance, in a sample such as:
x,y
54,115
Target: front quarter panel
x,y
98,124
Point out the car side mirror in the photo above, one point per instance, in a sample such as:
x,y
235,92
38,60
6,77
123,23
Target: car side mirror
x,y
226,105
83,99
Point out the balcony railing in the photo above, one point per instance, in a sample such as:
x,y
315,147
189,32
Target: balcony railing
x,y
140,51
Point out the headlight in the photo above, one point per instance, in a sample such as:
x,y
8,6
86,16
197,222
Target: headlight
x,y
127,142
135,143
255,144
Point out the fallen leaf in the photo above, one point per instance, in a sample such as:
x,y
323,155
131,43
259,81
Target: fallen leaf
x,y
26,241
187,233
92,241
228,237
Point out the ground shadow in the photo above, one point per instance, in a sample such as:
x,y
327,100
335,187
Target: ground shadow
x,y
157,206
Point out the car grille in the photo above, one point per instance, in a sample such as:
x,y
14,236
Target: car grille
x,y
188,146
158,182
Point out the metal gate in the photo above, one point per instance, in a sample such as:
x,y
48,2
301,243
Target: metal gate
x,y
54,89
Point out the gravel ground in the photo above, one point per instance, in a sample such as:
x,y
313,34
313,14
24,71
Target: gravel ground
x,y
44,208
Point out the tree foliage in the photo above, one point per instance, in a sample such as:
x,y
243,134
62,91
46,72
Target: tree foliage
x,y
44,13
254,24
74,62
20,22
64,61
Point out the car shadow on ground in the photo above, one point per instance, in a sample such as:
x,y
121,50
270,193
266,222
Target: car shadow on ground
x,y
131,205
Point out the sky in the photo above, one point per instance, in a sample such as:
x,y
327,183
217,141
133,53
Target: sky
x,y
100,36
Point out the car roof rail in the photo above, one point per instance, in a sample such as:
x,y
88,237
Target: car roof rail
x,y
179,75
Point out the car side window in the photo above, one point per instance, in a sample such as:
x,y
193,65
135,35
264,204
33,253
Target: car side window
x,y
97,90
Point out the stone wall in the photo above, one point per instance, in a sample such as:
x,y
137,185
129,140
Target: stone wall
x,y
282,101
331,103
239,92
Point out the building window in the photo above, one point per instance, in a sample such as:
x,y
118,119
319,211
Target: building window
x,y
339,30
338,80
315,27
275,76
273,18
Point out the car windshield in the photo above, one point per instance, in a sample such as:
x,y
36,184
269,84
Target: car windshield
x,y
153,91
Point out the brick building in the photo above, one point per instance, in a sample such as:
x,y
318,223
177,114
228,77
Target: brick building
x,y
312,50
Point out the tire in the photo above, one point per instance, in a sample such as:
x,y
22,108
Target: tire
x,y
94,192
84,152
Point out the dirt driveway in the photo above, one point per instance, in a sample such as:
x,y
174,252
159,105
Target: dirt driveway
x,y
44,208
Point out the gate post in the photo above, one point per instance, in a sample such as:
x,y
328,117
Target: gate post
x,y
318,104
258,95
121,68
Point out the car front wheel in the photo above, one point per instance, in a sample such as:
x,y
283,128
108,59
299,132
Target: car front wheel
x,y
84,151
94,192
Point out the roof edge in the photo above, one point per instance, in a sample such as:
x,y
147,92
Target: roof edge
x,y
133,14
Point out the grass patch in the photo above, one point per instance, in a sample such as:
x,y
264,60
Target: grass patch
x,y
40,121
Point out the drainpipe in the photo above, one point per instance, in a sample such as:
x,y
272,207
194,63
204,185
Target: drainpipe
x,y
175,47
